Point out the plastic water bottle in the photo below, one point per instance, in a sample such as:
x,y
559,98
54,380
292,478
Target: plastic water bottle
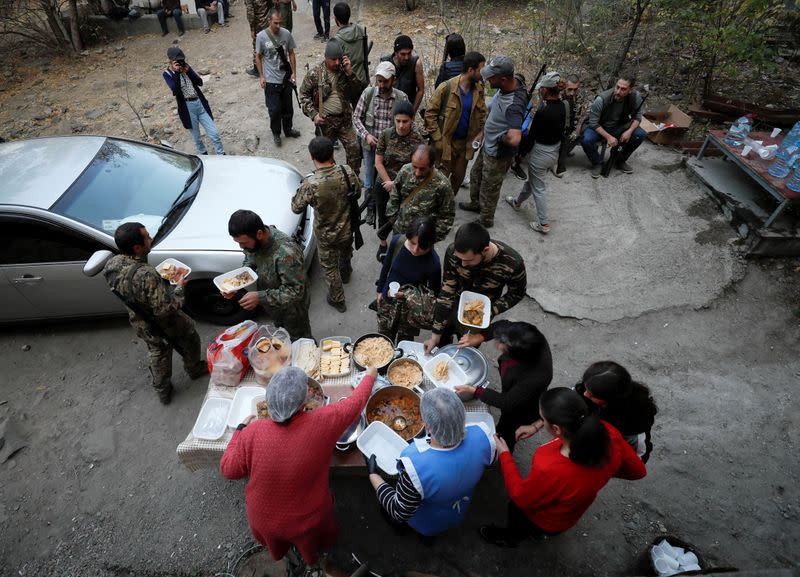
x,y
738,131
794,182
784,161
792,137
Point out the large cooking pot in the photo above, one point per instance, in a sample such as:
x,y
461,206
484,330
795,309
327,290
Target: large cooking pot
x,y
390,395
382,368
471,361
403,361
348,439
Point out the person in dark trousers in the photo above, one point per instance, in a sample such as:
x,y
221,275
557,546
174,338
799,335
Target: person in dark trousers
x,y
614,117
170,8
526,369
453,61
409,73
615,397
277,69
567,473
193,108
323,25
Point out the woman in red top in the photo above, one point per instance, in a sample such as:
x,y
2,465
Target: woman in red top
x,y
287,458
567,472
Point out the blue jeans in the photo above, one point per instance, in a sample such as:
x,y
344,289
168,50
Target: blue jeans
x,y
162,19
590,139
198,116
369,172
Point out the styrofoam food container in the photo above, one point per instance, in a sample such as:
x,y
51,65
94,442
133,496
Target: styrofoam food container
x,y
414,348
473,418
455,375
211,421
242,406
468,296
219,278
384,443
176,263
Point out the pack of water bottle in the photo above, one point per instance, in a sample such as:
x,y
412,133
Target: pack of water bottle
x,y
788,158
738,131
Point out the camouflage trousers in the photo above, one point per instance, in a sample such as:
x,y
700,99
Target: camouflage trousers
x,y
485,182
403,318
292,317
285,10
181,330
341,128
335,263
455,168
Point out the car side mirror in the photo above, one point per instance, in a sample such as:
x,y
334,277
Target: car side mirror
x,y
96,262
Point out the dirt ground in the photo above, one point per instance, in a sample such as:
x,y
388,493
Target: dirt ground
x,y
98,490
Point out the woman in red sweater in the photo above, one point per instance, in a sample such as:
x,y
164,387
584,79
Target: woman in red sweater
x,y
567,472
287,458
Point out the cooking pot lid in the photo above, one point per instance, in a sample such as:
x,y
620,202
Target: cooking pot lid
x,y
471,361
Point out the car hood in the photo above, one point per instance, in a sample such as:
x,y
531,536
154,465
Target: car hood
x,y
263,185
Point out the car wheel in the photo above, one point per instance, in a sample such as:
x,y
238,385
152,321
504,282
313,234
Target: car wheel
x,y
204,302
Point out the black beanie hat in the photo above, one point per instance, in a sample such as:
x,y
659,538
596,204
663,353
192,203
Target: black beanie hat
x,y
403,42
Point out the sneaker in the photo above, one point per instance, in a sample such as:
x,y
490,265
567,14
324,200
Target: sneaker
x,y
468,206
625,167
341,307
326,37
512,202
370,219
253,71
519,172
596,170
542,228
276,138
497,536
381,254
165,395
293,133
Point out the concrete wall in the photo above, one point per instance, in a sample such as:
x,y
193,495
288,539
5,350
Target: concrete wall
x,y
146,24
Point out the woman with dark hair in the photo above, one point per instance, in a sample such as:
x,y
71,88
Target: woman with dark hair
x,y
566,473
454,50
617,399
395,146
526,369
415,267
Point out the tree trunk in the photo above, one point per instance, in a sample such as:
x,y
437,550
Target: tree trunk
x,y
641,6
74,28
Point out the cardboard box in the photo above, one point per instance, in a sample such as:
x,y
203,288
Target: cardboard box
x,y
675,116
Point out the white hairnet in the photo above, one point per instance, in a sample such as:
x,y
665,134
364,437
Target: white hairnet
x,y
444,416
287,390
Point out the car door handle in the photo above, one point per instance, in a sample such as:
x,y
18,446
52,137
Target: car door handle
x,y
28,279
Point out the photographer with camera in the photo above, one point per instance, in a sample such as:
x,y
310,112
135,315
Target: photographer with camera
x,y
193,107
277,69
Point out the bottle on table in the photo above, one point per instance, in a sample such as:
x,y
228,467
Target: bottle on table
x,y
793,183
785,159
792,137
738,131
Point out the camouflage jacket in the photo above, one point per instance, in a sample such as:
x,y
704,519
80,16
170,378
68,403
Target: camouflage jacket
x,y
326,190
506,269
257,14
319,77
145,288
281,275
434,199
396,150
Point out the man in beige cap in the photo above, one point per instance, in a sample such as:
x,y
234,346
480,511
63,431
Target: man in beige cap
x,y
373,115
325,98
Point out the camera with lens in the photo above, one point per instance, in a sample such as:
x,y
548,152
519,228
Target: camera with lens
x,y
181,63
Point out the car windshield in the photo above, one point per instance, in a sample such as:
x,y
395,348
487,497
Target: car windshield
x,y
127,181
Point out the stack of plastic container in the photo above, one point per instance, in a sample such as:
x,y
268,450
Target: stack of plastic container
x,y
738,131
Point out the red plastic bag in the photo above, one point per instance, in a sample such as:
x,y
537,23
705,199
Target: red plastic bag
x,y
226,355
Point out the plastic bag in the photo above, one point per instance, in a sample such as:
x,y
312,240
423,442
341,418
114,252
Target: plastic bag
x,y
270,350
227,356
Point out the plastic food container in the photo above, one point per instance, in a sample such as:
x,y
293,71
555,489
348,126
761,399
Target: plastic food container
x,y
296,346
455,376
218,279
242,406
212,420
485,418
384,443
177,263
468,296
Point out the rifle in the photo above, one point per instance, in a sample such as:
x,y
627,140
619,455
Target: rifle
x,y
285,65
535,81
367,47
151,322
612,156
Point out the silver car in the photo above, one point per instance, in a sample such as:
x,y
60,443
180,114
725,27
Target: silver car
x,y
62,198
